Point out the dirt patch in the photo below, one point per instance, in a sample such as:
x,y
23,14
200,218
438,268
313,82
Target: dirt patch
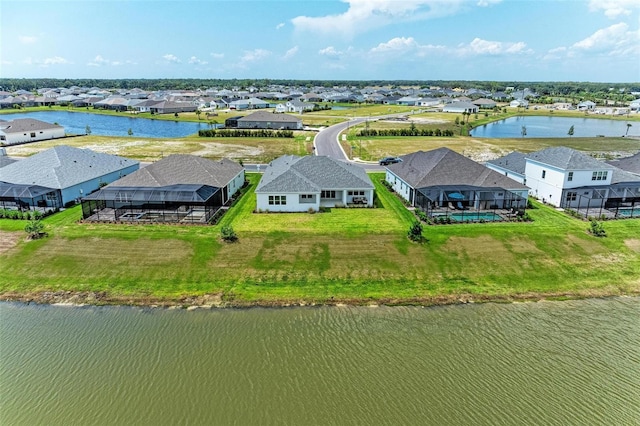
x,y
633,244
8,240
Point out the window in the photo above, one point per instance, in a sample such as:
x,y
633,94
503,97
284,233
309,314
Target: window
x,y
544,173
571,196
599,175
570,177
33,134
277,200
328,194
306,196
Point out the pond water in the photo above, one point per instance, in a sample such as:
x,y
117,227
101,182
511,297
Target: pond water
x,y
108,125
545,363
555,127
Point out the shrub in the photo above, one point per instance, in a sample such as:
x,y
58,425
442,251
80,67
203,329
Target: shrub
x,y
228,234
597,229
35,229
415,231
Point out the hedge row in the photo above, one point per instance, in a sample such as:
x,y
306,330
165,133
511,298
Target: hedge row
x,y
241,133
405,132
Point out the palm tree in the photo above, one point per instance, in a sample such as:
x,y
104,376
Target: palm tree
x,y
523,132
628,126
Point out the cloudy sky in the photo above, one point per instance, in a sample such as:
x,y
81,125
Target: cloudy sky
x,y
521,40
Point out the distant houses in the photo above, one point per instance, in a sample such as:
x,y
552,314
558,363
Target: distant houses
x,y
22,130
265,120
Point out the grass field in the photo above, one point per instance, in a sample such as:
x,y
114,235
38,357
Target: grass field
x,y
348,255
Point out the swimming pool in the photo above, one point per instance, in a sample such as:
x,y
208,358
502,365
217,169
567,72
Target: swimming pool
x,y
629,212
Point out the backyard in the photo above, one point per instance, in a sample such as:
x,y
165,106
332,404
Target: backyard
x,y
344,255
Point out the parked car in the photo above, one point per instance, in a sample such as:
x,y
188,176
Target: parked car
x,y
389,160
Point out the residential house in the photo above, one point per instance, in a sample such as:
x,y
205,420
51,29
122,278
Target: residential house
x,y
172,107
586,106
70,173
299,184
568,178
266,120
511,165
442,179
23,130
251,103
459,107
178,188
628,164
484,103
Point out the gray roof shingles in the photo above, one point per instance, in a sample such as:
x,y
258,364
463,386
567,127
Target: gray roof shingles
x,y
183,169
62,167
568,159
290,173
515,162
443,166
20,125
630,164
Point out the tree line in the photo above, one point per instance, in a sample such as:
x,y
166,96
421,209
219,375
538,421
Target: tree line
x,y
405,132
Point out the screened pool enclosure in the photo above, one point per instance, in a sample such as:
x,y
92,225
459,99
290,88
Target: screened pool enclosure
x,y
182,203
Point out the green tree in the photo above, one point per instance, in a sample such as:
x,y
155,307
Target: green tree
x,y
228,234
130,132
570,132
457,120
87,130
198,112
415,231
523,131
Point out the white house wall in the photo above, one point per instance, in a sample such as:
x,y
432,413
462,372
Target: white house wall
x,y
235,184
549,188
399,186
293,203
40,135
85,188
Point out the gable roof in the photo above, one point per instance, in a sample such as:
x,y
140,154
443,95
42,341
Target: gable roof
x,y
443,166
514,162
567,159
182,169
291,173
62,167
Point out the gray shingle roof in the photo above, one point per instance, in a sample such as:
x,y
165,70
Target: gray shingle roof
x,y
20,125
443,166
62,167
183,169
269,116
5,161
514,162
290,173
630,164
568,159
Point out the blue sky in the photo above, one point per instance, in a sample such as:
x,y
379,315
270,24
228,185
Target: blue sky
x,y
499,40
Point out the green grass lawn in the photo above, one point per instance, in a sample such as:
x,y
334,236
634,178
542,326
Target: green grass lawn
x,y
352,255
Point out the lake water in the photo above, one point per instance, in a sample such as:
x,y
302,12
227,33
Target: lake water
x,y
546,363
555,127
108,125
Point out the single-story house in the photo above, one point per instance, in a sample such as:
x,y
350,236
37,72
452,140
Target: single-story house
x,y
172,107
517,103
267,120
484,103
586,106
23,130
443,180
460,107
251,103
178,188
299,184
71,172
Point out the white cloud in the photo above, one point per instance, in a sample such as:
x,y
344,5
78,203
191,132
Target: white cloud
x,y
195,60
485,3
254,55
98,61
614,8
291,52
171,58
25,39
6,62
616,40
55,60
217,55
331,52
405,45
364,15
280,25
479,46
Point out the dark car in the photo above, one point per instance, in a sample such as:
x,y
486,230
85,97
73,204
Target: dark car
x,y
389,160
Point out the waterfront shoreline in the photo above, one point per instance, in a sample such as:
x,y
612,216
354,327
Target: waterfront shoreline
x,y
211,301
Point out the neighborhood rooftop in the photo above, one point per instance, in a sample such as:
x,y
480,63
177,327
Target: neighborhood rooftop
x,y
515,161
567,159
